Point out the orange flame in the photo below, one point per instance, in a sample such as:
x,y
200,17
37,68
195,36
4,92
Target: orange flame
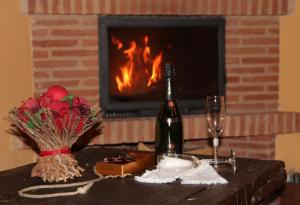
x,y
156,74
139,61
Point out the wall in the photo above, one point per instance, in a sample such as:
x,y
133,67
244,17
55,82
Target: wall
x,y
287,146
65,51
15,77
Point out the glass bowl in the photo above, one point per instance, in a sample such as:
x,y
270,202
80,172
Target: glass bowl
x,y
177,162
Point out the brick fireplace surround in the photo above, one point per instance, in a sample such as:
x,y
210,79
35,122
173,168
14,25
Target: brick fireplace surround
x,y
65,52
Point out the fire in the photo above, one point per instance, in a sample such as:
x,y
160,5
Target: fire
x,y
140,71
156,74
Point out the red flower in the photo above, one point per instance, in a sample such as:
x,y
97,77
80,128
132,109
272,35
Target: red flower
x,y
68,112
45,100
57,92
31,105
82,104
58,106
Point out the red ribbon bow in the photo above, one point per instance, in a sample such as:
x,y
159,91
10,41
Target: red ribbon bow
x,y
65,150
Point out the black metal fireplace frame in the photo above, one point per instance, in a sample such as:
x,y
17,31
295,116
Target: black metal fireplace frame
x,y
150,108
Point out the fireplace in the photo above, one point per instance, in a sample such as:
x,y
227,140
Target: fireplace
x,y
65,51
133,49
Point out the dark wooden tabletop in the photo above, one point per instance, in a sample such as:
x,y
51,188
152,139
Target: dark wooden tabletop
x,y
253,181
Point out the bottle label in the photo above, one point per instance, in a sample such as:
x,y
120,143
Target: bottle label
x,y
169,120
171,104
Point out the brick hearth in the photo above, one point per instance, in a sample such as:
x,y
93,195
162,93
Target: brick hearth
x,y
65,52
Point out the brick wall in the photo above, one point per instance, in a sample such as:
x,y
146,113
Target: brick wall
x,y
65,52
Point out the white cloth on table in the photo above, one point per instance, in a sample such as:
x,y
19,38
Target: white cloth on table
x,y
174,168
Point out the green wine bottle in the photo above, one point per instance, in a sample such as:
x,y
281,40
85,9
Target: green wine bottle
x,y
168,127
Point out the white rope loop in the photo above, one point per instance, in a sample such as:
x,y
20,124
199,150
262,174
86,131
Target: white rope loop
x,y
86,185
83,189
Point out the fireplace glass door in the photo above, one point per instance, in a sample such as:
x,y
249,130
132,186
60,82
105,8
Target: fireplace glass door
x,y
132,50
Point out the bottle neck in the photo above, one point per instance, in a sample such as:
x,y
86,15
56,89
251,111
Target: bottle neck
x,y
170,95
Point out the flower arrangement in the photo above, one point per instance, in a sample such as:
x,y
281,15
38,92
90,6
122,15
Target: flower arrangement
x,y
54,121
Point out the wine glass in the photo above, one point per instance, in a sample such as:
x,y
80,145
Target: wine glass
x,y
215,116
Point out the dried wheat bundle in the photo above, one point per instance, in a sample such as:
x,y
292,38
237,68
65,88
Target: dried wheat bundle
x,y
55,121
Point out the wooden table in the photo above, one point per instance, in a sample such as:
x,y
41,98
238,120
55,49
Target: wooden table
x,y
253,182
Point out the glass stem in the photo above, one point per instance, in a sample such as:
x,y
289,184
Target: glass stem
x,y
215,146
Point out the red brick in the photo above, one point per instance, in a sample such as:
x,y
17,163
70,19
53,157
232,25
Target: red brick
x,y
246,31
124,8
56,22
260,22
274,6
271,123
90,6
232,98
31,6
65,83
273,31
265,7
90,42
55,7
133,8
231,79
194,7
297,122
234,7
241,70
232,60
74,32
254,6
214,6
232,127
89,22
91,82
54,63
252,126
45,6
285,7
273,106
41,74
75,73
232,21
244,7
273,69
54,43
78,6
244,51
256,155
260,97
262,79
280,123
260,60
246,88
261,41
261,124
262,138
75,53
39,32
246,107
90,63
224,6
273,50
253,146
85,93
204,6
232,41
289,122
67,6
242,125
40,54
272,88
